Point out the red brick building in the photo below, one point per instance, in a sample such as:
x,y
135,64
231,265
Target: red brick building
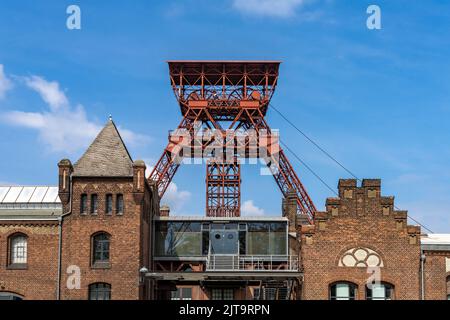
x,y
100,235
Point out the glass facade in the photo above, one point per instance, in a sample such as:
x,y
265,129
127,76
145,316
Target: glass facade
x,y
192,238
178,239
266,238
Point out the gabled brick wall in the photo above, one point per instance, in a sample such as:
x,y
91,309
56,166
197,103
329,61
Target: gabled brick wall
x,y
360,218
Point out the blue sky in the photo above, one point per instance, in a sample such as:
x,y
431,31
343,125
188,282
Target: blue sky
x,y
378,100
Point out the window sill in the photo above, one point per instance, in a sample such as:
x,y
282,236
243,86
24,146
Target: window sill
x,y
17,266
101,265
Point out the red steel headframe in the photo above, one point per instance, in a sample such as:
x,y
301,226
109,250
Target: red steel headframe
x,y
235,93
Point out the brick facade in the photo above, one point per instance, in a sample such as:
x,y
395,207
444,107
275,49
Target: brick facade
x,y
360,218
359,228
437,275
37,280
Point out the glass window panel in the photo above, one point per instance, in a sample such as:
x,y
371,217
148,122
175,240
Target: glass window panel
x,y
258,239
378,292
175,295
186,293
109,203
242,242
228,294
101,248
217,226
94,203
83,203
278,227
342,291
216,294
278,243
231,226
18,249
256,294
178,239
119,204
258,226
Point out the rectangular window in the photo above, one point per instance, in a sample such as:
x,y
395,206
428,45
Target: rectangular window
x,y
222,294
182,294
109,204
94,204
18,247
83,204
256,294
119,204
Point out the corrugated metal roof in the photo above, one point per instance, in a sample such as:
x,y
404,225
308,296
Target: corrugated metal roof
x,y
436,238
29,194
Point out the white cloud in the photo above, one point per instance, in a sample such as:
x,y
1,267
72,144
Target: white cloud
x,y
67,130
62,127
248,208
276,8
175,198
5,83
49,92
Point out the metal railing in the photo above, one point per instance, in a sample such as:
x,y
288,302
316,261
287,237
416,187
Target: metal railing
x,y
231,262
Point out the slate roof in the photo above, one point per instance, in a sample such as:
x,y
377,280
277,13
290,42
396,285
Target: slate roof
x,y
107,156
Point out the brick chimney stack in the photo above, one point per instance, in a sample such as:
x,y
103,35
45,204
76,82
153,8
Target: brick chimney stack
x,y
65,170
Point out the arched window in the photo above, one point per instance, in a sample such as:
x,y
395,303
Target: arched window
x,y
18,249
119,204
343,291
100,248
380,291
10,296
100,291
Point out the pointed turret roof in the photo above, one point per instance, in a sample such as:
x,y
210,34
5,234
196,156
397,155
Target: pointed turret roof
x,y
107,156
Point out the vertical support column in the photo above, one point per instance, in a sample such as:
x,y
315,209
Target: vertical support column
x,y
223,189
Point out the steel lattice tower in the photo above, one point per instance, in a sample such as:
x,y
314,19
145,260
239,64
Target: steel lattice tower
x,y
227,96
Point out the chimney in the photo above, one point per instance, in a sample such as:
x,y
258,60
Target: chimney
x,y
290,209
164,211
65,170
139,176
